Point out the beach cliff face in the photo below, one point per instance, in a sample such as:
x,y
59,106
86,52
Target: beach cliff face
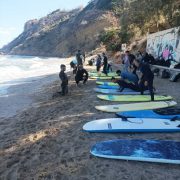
x,y
61,33
108,22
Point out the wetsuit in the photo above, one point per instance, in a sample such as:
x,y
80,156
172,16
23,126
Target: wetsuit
x,y
105,63
147,75
64,83
80,76
79,59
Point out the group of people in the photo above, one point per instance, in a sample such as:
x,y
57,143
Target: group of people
x,y
80,73
130,65
102,60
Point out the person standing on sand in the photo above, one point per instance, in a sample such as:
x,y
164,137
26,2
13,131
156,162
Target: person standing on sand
x,y
79,58
64,80
146,79
98,63
105,63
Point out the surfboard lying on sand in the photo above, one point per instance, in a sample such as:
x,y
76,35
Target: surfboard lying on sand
x,y
133,98
131,125
165,113
103,77
106,83
136,106
139,150
102,74
117,92
108,87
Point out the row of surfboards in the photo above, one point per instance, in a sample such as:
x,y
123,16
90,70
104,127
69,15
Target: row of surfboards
x,y
141,117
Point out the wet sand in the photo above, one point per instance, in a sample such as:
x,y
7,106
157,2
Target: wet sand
x,y
46,141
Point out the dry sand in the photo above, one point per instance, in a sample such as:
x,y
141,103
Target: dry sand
x,y
46,140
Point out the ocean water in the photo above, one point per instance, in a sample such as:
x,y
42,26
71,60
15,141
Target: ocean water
x,y
17,69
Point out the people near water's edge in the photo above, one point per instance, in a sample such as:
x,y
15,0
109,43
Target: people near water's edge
x,y
105,63
64,80
98,62
79,58
81,75
73,65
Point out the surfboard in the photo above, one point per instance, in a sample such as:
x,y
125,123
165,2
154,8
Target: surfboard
x,y
103,77
102,74
106,83
133,98
139,150
115,91
165,113
136,106
108,87
131,125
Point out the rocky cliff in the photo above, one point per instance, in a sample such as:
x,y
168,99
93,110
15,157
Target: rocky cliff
x,y
61,33
111,22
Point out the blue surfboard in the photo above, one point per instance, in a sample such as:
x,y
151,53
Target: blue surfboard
x,y
108,87
116,91
166,113
139,150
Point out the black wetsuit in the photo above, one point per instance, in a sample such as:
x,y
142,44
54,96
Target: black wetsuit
x,y
64,84
105,63
147,75
79,59
98,64
80,76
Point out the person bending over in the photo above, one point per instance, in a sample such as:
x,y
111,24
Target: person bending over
x,y
146,79
64,80
81,75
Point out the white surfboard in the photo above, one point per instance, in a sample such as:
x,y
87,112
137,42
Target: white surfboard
x,y
132,125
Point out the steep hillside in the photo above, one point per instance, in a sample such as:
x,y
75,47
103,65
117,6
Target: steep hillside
x,y
62,33
111,22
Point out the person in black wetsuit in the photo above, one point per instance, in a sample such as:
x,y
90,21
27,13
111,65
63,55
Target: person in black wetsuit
x,y
105,63
145,82
98,63
146,79
64,79
79,58
81,75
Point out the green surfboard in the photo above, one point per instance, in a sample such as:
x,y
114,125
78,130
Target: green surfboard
x,y
136,106
133,98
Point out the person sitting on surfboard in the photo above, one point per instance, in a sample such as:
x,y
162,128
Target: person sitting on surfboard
x,y
81,75
64,79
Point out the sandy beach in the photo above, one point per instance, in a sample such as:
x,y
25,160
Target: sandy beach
x,y
46,141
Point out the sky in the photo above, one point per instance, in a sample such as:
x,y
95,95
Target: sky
x,y
14,14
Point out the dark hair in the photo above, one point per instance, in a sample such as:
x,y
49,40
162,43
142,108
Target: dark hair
x,y
113,78
127,52
118,72
62,65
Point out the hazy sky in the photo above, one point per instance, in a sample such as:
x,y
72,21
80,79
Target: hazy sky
x,y
14,13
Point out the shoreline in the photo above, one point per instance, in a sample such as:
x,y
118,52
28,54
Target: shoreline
x,y
47,142
17,95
